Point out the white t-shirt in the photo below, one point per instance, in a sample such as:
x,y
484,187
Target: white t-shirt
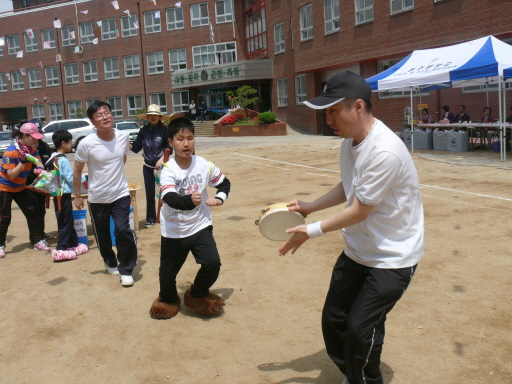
x,y
379,171
105,164
175,223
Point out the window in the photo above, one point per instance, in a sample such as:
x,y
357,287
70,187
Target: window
x,y
55,111
34,78
86,32
127,25
401,5
131,66
382,65
3,82
484,87
332,15
38,112
111,68
155,63
48,38
1,50
255,30
282,93
90,70
17,81
175,18
177,59
25,3
214,54
224,11
134,104
89,102
52,76
108,29
73,106
31,42
67,38
395,94
306,22
300,89
116,105
71,71
199,14
279,37
160,100
180,101
364,11
13,42
152,22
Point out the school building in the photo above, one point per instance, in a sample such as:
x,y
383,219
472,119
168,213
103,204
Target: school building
x,y
57,57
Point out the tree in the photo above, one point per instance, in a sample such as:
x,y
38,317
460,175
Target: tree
x,y
81,113
243,97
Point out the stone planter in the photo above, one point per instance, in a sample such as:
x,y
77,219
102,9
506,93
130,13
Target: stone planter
x,y
276,129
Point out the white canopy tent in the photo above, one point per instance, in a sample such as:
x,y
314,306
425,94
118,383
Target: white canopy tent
x,y
483,61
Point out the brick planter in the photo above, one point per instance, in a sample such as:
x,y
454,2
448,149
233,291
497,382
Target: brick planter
x,y
276,129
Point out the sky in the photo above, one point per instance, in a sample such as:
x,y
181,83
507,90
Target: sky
x,y
5,5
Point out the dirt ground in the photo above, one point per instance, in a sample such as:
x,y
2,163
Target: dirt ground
x,y
71,322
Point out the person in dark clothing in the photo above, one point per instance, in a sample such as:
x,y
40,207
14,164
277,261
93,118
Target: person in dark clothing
x,y
152,139
40,198
203,111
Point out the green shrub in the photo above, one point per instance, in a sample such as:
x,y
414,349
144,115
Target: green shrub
x,y
267,118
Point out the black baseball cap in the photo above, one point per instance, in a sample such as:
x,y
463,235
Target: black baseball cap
x,y
344,85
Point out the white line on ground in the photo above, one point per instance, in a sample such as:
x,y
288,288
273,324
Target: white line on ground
x,y
291,170
466,192
284,162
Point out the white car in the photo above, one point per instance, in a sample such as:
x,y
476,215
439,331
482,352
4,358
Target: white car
x,y
5,141
79,128
131,127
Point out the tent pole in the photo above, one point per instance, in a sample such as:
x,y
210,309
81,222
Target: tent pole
x,y
504,121
501,119
412,125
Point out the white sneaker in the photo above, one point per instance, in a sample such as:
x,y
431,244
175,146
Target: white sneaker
x,y
127,280
2,251
112,271
345,381
42,246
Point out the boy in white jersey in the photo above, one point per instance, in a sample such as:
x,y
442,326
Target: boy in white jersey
x,y
186,225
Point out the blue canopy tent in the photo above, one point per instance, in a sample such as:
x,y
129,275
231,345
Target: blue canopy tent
x,y
476,62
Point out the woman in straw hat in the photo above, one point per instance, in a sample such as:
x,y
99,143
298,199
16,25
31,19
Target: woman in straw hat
x,y
153,140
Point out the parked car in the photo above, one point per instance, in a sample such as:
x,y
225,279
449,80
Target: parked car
x,y
131,127
79,128
5,141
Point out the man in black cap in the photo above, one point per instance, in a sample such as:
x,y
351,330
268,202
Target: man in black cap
x,y
382,225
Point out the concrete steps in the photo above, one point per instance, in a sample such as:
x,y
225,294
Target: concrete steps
x,y
204,128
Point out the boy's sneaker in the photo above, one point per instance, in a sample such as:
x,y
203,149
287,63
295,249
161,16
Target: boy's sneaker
x,y
58,255
80,250
42,246
148,224
2,251
112,271
126,280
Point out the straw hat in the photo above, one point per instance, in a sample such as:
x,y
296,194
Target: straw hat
x,y
154,109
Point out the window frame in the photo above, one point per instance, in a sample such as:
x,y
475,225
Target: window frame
x,y
364,12
31,81
163,107
110,74
153,19
53,79
176,22
300,97
55,107
226,17
282,99
306,31
75,78
107,33
116,112
38,114
31,43
212,51
333,6
50,32
131,30
403,6
68,41
176,66
201,20
182,106
134,110
12,49
87,73
3,82
86,32
70,109
279,45
153,69
19,85
126,66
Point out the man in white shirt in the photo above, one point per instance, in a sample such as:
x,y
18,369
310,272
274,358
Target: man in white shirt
x,y
105,154
382,226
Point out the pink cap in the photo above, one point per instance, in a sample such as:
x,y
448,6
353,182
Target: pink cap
x,y
32,130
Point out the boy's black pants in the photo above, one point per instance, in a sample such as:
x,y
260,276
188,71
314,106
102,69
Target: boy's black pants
x,y
354,314
65,223
125,238
174,252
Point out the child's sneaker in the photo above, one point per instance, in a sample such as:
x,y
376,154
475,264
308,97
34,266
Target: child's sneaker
x,y
111,270
2,251
42,246
80,250
58,255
